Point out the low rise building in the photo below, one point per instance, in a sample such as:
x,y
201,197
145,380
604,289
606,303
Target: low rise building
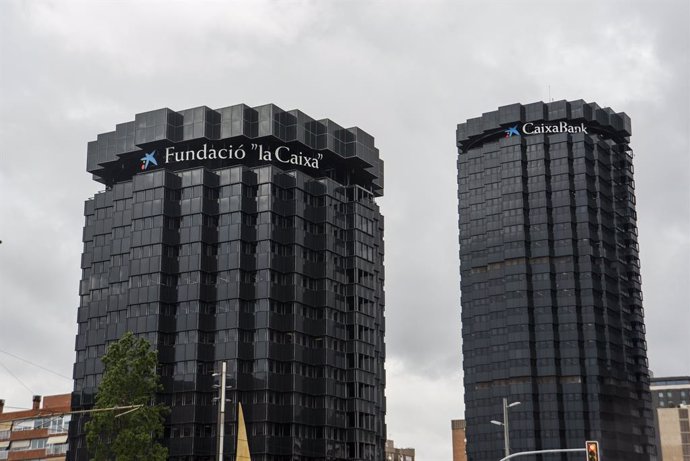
x,y
670,392
671,399
398,454
39,433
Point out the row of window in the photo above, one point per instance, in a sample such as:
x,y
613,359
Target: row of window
x,y
199,219
260,429
230,190
54,424
52,445
238,305
211,250
193,367
248,336
241,276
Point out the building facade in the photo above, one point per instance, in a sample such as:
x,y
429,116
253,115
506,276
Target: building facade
x,y
674,433
552,314
457,427
398,454
671,398
670,392
249,235
36,434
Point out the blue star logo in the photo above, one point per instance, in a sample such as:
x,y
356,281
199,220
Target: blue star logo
x,y
148,159
512,131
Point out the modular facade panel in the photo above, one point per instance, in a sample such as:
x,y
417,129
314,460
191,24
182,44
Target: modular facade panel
x,y
270,262
550,280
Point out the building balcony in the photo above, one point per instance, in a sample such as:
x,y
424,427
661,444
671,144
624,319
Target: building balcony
x,y
59,449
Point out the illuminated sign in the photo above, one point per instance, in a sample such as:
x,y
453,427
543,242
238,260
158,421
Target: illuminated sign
x,y
530,128
148,159
560,127
256,152
513,130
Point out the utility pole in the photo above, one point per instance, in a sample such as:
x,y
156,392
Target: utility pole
x,y
506,436
505,424
221,409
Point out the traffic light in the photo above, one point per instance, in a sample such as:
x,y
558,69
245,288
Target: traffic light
x,y
592,450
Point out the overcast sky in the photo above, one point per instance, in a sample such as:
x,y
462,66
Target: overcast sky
x,y
407,73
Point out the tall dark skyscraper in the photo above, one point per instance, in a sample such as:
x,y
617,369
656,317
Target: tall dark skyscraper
x,y
552,312
246,235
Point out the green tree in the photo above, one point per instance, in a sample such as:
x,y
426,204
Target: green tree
x,y
129,378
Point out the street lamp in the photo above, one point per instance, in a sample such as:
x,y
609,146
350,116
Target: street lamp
x,y
506,438
221,408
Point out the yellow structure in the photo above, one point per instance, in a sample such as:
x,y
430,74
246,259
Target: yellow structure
x,y
674,433
242,441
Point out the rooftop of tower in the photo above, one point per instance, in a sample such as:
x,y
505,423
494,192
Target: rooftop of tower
x,y
615,125
114,155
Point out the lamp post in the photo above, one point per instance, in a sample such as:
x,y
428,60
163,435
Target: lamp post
x,y
221,407
506,437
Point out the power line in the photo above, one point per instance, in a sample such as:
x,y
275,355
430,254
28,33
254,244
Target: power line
x,y
35,365
15,377
44,412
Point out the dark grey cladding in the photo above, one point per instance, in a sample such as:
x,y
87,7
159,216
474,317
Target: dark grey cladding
x,y
552,312
272,267
353,145
615,125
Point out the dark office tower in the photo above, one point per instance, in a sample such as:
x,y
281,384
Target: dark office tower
x,y
550,278
246,235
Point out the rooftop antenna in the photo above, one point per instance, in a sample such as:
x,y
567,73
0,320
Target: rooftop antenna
x,y
550,100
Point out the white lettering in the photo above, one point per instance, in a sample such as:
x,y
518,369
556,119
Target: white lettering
x,y
281,154
311,162
277,152
201,151
560,127
168,154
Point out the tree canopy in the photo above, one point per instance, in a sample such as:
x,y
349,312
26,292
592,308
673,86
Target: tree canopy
x,y
129,378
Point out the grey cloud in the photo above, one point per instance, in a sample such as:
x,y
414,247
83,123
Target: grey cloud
x,y
406,72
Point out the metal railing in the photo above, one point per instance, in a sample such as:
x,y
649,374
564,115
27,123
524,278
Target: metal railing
x,y
556,450
56,449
